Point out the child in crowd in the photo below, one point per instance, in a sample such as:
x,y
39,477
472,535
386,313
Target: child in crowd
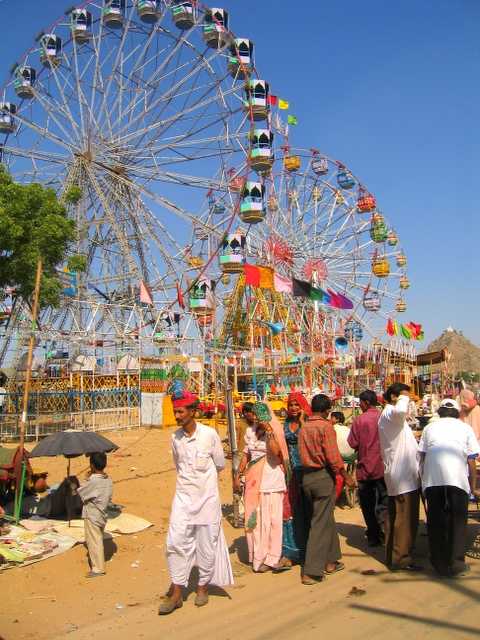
x,y
348,454
96,493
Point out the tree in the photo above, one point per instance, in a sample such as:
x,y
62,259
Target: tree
x,y
33,225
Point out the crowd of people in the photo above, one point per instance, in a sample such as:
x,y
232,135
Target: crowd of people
x,y
291,474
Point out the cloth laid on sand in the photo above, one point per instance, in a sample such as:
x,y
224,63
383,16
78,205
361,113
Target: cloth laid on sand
x,y
20,547
41,538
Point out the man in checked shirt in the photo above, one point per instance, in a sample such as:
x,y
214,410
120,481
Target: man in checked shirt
x,y
321,461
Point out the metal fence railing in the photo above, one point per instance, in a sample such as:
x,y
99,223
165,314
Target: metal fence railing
x,y
43,425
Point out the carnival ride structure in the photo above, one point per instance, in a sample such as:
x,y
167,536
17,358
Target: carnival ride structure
x,y
152,124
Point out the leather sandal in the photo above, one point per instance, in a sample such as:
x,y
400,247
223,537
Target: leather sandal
x,y
167,605
339,566
201,599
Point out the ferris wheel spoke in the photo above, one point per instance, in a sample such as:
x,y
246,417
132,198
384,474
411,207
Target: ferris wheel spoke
x,y
43,131
202,63
118,57
52,112
119,233
140,62
65,107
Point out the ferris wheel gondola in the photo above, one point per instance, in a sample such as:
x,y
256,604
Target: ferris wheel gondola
x,y
137,107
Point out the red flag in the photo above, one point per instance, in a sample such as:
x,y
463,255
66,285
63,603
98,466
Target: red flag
x,y
390,327
272,100
344,301
334,300
252,275
416,329
145,295
180,298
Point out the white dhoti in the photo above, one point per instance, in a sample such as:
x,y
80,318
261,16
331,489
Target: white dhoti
x,y
200,545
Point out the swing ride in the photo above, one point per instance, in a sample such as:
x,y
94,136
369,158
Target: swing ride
x,y
207,246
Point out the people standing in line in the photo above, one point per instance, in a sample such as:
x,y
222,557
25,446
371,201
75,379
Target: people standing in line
x,y
372,492
195,535
295,521
448,449
96,494
470,411
348,454
264,461
400,456
321,461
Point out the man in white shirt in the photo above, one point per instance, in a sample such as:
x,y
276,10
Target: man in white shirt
x,y
400,456
448,449
195,536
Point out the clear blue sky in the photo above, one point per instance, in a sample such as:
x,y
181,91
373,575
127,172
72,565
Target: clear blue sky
x,y
392,90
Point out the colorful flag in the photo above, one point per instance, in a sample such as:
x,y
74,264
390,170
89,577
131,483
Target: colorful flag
x,y
283,104
319,295
145,295
281,284
345,302
292,119
180,298
252,275
334,300
406,332
69,281
390,327
301,289
272,100
266,277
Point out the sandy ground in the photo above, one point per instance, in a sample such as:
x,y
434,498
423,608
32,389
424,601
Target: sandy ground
x,y
53,599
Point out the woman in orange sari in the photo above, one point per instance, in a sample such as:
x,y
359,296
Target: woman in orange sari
x,y
265,463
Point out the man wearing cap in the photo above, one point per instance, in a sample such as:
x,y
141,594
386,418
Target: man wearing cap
x,y
195,536
448,449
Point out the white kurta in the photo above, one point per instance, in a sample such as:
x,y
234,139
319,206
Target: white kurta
x,y
399,449
195,535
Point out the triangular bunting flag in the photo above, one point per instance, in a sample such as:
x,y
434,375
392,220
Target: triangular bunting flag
x,y
145,295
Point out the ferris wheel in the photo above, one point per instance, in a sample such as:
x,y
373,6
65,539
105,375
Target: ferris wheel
x,y
310,218
131,111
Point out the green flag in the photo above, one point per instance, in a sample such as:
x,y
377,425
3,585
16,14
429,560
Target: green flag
x,y
292,119
317,294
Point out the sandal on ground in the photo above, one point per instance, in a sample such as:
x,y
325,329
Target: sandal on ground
x,y
95,574
339,566
168,605
201,599
263,568
285,564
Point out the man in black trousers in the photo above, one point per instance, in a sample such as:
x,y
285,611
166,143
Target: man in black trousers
x,y
448,450
372,492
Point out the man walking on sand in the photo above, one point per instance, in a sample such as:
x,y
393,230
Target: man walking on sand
x,y
372,492
195,536
321,461
401,465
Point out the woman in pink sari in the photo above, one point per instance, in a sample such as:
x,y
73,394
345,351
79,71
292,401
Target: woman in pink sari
x,y
265,463
470,411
